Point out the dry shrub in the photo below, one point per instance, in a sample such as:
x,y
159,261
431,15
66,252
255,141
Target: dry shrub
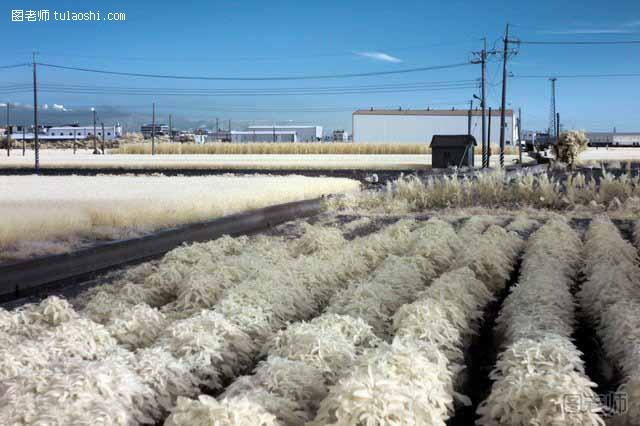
x,y
569,146
494,190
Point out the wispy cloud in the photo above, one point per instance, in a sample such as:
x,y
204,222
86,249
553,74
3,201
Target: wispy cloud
x,y
379,56
635,23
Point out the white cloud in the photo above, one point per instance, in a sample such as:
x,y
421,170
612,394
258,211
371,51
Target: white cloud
x,y
59,107
379,56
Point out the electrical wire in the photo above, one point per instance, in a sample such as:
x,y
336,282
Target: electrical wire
x,y
307,77
217,59
575,75
576,42
366,86
107,93
273,91
4,67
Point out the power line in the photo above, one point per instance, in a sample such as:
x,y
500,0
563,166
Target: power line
x,y
366,86
291,108
412,85
353,53
546,76
307,77
576,42
4,67
209,93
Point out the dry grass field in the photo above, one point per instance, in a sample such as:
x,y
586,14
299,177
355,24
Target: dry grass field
x,y
43,215
63,159
282,148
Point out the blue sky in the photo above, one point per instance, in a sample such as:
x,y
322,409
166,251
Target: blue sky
x,y
256,38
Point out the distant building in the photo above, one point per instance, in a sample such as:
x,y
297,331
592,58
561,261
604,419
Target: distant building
x,y
302,133
67,133
253,135
613,139
420,125
160,130
340,136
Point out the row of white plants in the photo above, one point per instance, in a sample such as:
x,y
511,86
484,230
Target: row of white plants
x,y
54,379
307,357
539,372
413,379
611,298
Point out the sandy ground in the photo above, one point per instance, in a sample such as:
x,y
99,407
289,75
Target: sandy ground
x,y
84,159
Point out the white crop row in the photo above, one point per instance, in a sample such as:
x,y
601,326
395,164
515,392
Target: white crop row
x,y
412,380
309,356
58,385
540,369
611,297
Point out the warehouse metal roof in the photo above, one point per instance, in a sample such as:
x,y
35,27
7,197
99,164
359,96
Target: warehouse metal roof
x,y
435,112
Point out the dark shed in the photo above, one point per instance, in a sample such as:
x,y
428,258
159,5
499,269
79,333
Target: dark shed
x,y
452,150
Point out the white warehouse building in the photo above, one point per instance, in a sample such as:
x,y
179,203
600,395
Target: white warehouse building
x,y
68,133
420,125
301,133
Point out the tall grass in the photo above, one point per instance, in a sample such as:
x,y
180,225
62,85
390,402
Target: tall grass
x,y
273,148
283,148
56,213
495,191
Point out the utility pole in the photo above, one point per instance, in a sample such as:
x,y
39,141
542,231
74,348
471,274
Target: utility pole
x,y
557,128
36,143
274,132
489,140
95,133
482,60
102,125
469,118
217,125
505,55
153,129
170,129
24,144
229,126
553,124
485,143
75,138
520,136
8,133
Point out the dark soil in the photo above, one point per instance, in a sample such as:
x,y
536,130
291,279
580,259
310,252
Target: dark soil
x,y
481,357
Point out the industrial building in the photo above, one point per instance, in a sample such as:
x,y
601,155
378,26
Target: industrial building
x,y
613,139
420,125
148,129
245,136
340,136
302,133
67,133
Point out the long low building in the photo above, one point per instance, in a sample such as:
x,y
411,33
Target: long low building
x,y
420,125
67,133
613,139
245,136
302,133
